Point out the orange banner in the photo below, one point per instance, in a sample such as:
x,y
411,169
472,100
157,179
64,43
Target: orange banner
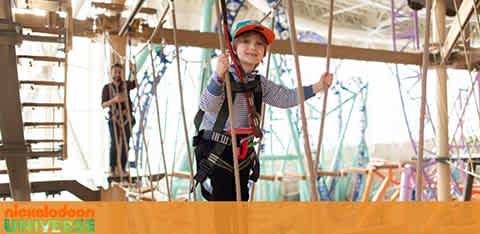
x,y
224,218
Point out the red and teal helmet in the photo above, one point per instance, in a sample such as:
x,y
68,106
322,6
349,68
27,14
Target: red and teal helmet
x,y
252,25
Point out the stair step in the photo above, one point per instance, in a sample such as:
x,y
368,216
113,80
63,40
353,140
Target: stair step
x,y
42,58
42,104
56,31
47,39
43,82
34,170
34,124
34,154
36,141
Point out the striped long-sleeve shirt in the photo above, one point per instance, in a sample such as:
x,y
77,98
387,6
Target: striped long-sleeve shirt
x,y
273,94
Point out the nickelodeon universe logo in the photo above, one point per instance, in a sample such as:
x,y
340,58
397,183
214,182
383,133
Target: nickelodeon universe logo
x,y
48,220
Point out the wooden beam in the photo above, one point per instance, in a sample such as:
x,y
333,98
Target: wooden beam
x,y
46,39
34,170
210,40
130,18
42,104
43,82
44,29
465,11
68,28
43,124
154,177
383,187
56,186
115,7
47,5
11,124
34,154
443,169
42,58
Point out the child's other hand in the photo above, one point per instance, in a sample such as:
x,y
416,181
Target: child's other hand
x,y
326,80
324,83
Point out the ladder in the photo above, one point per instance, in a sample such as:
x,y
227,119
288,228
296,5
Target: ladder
x,y
42,61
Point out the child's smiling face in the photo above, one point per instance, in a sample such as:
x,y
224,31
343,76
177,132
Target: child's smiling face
x,y
250,48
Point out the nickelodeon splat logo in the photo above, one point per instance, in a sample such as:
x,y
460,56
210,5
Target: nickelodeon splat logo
x,y
48,220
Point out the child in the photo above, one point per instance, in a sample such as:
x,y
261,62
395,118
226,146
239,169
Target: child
x,y
213,150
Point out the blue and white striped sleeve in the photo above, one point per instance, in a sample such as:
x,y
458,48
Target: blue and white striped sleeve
x,y
281,96
213,96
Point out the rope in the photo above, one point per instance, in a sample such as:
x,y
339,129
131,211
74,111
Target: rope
x,y
464,170
467,61
133,73
472,81
160,128
253,117
301,100
273,10
325,95
423,100
262,121
231,110
180,89
160,23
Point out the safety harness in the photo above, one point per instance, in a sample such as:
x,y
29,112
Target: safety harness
x,y
208,161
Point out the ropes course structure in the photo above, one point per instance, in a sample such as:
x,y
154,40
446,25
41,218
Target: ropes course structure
x,y
361,179
405,29
146,87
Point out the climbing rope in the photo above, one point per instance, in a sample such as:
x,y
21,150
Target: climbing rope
x,y
301,100
325,95
180,89
423,100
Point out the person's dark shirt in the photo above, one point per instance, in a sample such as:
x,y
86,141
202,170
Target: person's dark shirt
x,y
110,90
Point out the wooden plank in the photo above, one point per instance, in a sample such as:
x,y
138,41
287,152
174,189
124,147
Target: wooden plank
x,y
47,39
465,11
115,7
42,82
210,40
56,186
379,196
68,25
11,124
114,193
155,177
42,58
34,170
35,124
368,186
36,141
42,104
130,18
56,31
47,5
35,154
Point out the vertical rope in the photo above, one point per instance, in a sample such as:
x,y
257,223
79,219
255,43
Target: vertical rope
x,y
325,95
423,100
160,127
301,100
180,89
231,110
